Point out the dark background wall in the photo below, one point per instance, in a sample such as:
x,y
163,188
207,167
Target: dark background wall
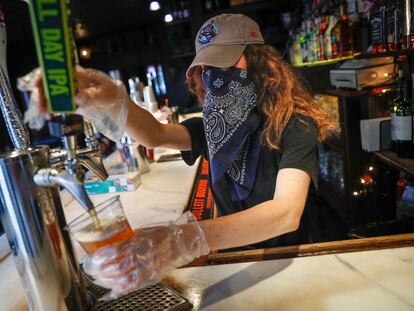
x,y
126,35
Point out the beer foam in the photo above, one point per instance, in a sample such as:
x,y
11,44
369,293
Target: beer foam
x,y
109,226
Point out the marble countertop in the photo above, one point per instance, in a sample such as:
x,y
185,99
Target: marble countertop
x,y
372,280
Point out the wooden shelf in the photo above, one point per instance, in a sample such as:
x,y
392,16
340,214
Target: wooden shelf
x,y
347,92
393,160
324,62
385,54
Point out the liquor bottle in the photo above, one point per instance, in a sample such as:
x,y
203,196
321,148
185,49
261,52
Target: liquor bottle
x,y
392,16
309,41
304,43
323,26
405,33
393,109
404,121
292,48
314,39
341,35
352,9
377,21
327,37
297,53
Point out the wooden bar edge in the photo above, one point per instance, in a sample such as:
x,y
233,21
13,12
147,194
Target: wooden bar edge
x,y
315,249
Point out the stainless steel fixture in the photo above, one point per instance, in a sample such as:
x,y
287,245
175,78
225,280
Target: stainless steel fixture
x,y
30,207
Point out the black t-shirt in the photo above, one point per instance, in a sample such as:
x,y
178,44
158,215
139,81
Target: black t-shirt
x,y
298,150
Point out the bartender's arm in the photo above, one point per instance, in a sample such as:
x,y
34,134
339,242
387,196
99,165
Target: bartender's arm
x,y
265,220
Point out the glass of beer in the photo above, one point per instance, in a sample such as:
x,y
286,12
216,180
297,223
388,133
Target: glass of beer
x,y
109,227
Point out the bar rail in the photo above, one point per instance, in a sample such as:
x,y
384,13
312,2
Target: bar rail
x,y
303,250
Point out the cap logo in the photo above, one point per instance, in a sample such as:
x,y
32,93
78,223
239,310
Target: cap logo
x,y
253,34
207,32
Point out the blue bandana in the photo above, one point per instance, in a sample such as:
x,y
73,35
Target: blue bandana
x,y
231,124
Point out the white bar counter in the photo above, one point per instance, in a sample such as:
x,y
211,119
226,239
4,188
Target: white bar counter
x,y
369,280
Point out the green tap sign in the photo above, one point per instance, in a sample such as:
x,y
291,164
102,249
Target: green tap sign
x,y
55,52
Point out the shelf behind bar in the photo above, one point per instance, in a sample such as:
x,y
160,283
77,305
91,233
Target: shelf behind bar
x,y
348,92
385,54
392,159
324,62
358,55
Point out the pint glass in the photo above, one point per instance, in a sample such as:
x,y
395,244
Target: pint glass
x,y
113,226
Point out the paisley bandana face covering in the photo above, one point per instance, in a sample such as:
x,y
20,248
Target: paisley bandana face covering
x,y
231,124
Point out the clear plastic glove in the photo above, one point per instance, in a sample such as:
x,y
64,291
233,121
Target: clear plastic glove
x,y
103,101
100,99
148,257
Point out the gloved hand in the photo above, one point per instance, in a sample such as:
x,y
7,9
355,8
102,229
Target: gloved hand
x,y
148,257
103,101
100,99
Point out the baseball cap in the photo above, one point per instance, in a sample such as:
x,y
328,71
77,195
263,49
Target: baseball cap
x,y
222,39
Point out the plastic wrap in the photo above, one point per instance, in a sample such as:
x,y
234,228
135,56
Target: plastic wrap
x,y
148,257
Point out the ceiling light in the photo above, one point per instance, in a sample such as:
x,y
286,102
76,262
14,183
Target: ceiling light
x,y
168,18
154,6
85,53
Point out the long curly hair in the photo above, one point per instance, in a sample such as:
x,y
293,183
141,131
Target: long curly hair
x,y
280,94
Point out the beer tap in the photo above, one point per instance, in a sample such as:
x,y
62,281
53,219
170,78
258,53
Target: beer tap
x,y
67,163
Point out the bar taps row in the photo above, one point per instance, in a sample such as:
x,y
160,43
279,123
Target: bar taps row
x,y
67,163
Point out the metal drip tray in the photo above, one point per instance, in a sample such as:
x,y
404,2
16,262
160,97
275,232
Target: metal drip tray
x,y
151,298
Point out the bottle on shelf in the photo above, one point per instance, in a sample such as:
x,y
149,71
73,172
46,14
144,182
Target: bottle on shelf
x,y
392,15
297,52
327,37
377,22
304,43
404,119
323,26
341,35
406,38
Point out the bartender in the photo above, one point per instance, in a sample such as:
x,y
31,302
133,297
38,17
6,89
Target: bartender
x,y
259,130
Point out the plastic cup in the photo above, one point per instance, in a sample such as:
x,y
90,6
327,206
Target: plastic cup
x,y
114,226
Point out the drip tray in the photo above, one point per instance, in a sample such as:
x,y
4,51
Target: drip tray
x,y
154,297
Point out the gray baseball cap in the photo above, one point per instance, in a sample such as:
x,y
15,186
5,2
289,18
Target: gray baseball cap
x,y
222,39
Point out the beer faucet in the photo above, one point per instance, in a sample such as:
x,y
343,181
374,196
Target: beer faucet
x,y
67,163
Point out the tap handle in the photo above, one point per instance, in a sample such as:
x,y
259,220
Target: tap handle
x,y
90,137
94,164
66,124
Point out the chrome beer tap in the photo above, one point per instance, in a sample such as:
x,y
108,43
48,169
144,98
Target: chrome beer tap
x,y
67,163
